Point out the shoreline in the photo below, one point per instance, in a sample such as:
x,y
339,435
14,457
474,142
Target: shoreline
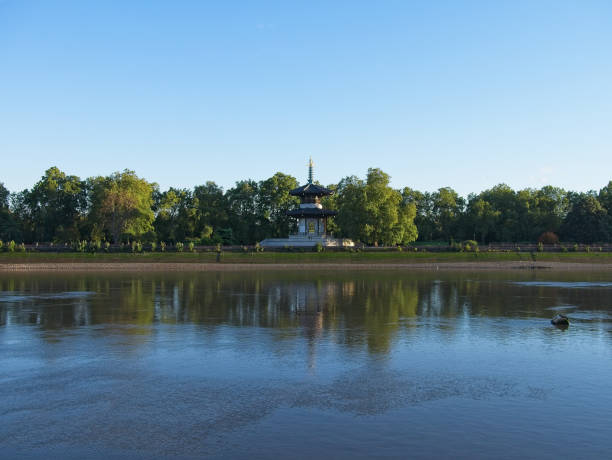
x,y
224,267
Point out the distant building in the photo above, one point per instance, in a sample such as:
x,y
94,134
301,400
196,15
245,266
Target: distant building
x,y
312,218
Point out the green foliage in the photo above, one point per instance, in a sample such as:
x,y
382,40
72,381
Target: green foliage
x,y
180,246
373,212
79,246
540,246
576,247
588,221
122,203
319,247
1,245
106,246
470,246
162,246
122,207
21,248
153,246
191,246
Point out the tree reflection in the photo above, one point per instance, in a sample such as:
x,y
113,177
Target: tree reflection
x,y
357,310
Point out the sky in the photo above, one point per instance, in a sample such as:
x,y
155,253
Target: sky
x,y
466,94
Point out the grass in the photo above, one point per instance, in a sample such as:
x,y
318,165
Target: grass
x,y
306,257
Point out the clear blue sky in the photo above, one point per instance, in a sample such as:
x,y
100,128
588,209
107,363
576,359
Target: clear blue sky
x,y
436,93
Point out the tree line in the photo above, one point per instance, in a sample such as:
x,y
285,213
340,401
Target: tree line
x,y
123,207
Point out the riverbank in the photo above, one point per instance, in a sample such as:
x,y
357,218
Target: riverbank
x,y
295,261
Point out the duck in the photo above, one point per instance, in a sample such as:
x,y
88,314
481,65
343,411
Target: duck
x,y
560,320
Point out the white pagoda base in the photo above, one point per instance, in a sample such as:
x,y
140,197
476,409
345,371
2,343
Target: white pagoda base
x,y
307,241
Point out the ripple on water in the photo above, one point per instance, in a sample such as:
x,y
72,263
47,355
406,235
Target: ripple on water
x,y
565,284
17,296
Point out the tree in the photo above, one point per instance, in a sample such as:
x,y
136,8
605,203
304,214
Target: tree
x,y
373,212
588,221
54,206
482,218
122,205
273,203
9,230
243,216
212,208
175,214
605,197
447,209
424,219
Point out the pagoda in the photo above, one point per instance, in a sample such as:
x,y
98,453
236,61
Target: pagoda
x,y
312,218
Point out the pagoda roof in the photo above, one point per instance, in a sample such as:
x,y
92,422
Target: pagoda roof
x,y
311,189
311,212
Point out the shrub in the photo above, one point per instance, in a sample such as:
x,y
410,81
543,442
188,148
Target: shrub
x,y
191,246
79,246
162,246
106,246
258,247
22,247
563,249
470,246
95,245
548,238
133,245
575,247
540,246
139,247
218,247
153,246
1,245
587,249
180,246
319,247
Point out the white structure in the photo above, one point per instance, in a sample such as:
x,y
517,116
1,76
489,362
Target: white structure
x,y
312,219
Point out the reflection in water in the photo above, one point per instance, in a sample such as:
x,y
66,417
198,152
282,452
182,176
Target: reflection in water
x,y
228,364
356,309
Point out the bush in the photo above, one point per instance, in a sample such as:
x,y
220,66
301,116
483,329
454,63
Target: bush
x,y
79,246
22,247
469,246
540,246
548,238
319,247
162,246
563,249
180,246
575,247
106,246
1,245
153,246
191,246
258,247
95,245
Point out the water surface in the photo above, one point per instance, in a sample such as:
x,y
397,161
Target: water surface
x,y
335,365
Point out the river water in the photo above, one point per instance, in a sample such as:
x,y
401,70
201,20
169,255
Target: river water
x,y
303,365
